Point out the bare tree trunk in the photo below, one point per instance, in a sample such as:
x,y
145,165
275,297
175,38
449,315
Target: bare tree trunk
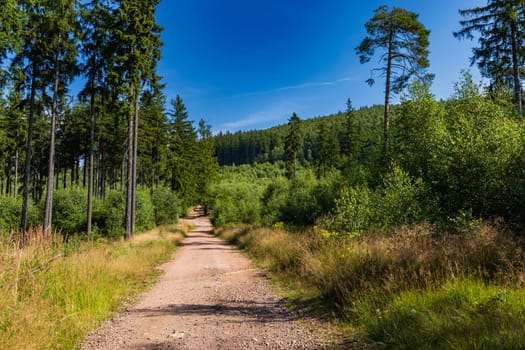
x,y
84,174
8,182
129,179
103,175
134,161
90,160
516,69
57,177
48,215
27,170
64,179
15,189
386,125
77,168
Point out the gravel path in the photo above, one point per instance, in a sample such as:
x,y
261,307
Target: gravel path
x,y
209,297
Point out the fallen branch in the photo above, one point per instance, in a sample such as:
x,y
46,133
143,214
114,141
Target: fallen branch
x,y
40,268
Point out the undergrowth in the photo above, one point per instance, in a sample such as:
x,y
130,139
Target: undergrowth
x,y
53,292
412,289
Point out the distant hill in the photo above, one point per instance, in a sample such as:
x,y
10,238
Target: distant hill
x,y
246,147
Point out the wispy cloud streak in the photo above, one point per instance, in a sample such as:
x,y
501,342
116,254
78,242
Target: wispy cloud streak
x,y
296,87
277,113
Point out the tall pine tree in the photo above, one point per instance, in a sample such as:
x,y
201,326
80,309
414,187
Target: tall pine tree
x,y
27,69
292,145
96,24
404,42
61,57
182,147
138,41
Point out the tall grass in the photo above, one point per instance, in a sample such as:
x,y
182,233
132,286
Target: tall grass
x,y
53,293
409,289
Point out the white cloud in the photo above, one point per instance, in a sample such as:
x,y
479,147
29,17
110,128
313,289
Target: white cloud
x,y
277,113
298,86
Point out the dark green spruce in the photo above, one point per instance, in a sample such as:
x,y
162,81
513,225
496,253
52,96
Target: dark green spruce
x,y
500,53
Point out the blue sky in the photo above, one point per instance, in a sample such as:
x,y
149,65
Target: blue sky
x,y
243,65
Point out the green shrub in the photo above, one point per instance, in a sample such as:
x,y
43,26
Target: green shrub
x,y
238,202
399,201
69,210
274,200
301,207
11,212
109,215
145,211
353,211
168,206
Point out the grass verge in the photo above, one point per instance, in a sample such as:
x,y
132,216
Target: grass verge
x,y
53,293
412,289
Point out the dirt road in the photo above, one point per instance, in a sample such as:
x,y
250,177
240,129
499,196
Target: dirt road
x,y
210,297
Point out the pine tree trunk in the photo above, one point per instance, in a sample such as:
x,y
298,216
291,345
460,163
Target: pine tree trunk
x,y
129,182
516,68
8,182
91,167
386,125
84,174
15,189
134,161
48,215
27,170
64,179
57,177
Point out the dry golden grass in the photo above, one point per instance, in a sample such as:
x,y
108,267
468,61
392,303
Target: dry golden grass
x,y
412,257
409,289
53,292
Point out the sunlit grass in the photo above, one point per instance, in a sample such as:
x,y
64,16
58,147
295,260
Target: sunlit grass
x,y
462,314
411,289
53,293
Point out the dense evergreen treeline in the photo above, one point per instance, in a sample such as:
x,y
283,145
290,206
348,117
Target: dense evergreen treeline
x,y
246,147
114,137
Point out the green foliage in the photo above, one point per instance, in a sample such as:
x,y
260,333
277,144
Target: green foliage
x,y
352,212
462,314
399,201
168,206
237,202
301,206
145,211
274,200
69,211
309,198
109,215
10,211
